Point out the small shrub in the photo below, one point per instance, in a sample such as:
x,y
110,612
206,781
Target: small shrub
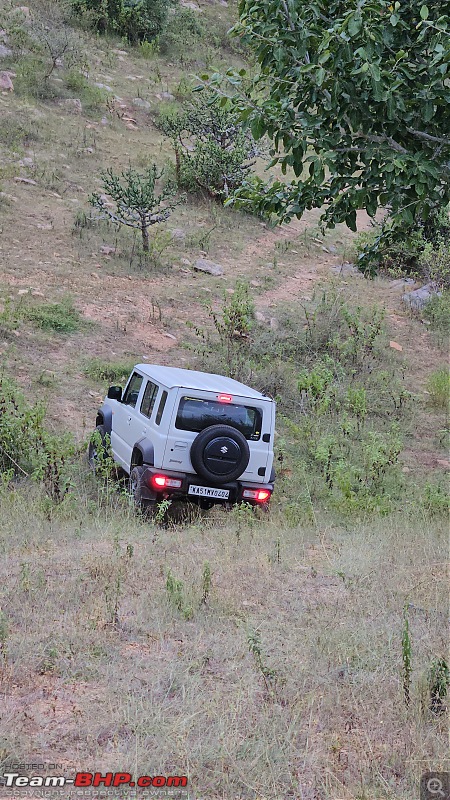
x,y
437,312
10,315
17,133
406,658
59,317
27,448
176,595
434,262
92,97
232,326
108,371
436,499
438,684
438,386
213,153
182,36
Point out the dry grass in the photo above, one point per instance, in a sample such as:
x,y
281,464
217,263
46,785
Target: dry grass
x,y
99,669
158,691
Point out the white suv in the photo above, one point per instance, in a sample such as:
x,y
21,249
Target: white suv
x,y
189,435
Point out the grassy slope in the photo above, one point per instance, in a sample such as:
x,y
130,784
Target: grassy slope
x,y
157,692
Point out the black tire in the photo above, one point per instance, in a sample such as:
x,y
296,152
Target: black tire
x,y
220,454
135,490
94,457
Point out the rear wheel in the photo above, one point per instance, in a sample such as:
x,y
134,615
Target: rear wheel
x,y
135,489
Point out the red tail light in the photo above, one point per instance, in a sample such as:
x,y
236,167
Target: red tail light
x,y
260,495
164,482
224,398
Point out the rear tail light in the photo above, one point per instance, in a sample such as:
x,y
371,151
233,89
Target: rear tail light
x,y
260,495
224,398
163,482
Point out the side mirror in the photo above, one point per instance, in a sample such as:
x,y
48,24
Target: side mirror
x,y
115,393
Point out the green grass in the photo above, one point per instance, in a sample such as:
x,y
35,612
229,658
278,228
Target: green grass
x,y
108,371
58,317
437,312
438,387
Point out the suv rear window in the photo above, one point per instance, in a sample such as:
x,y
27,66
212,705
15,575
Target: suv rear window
x,y
195,414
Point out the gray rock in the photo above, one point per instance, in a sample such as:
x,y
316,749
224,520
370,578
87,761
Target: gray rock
x,y
165,96
203,265
402,282
104,86
178,234
5,51
140,103
6,84
345,269
418,299
29,181
191,5
72,104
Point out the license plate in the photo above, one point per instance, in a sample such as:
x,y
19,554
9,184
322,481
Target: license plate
x,y
208,491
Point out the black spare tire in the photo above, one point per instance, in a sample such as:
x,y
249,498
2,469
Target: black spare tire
x,y
220,453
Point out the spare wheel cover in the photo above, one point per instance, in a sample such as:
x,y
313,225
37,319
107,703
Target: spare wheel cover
x,y
220,453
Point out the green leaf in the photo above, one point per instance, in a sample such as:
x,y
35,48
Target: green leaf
x,y
375,72
394,19
354,25
320,76
424,12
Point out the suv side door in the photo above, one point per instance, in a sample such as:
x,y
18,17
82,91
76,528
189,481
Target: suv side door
x,y
124,421
141,421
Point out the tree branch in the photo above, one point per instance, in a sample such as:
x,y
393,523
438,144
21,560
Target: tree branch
x,y
371,137
428,137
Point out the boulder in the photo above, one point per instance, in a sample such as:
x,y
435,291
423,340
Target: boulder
x,y
178,234
6,84
140,103
5,51
188,4
107,250
204,265
165,96
418,299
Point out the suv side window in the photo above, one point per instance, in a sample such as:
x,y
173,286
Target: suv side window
x,y
148,400
133,389
162,403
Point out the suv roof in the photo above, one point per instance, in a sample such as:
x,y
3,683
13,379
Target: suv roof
x,y
191,379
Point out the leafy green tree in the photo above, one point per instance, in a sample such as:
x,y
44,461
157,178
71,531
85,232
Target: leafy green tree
x,y
136,202
355,99
213,153
138,20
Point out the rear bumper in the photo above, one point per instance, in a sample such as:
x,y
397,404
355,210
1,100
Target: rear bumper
x,y
236,489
